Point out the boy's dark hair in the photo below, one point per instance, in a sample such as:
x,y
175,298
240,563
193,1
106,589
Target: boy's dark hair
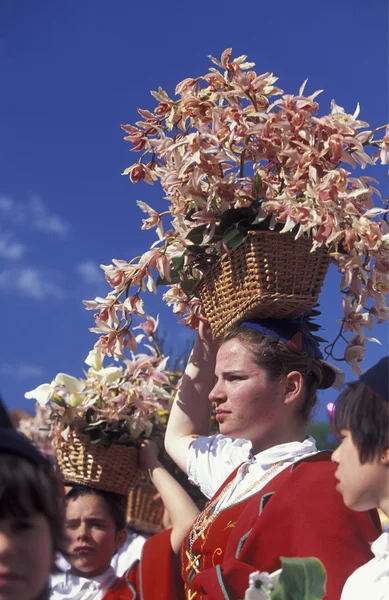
x,y
115,503
366,416
28,489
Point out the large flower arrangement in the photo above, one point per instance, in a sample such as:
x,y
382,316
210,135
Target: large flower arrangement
x,y
113,404
231,158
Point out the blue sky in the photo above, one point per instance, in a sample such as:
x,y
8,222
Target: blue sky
x,y
70,74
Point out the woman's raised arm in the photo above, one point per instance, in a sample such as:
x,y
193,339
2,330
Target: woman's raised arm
x,y
190,414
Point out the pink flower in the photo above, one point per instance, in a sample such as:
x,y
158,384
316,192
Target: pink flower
x,y
134,304
154,219
354,355
149,326
384,152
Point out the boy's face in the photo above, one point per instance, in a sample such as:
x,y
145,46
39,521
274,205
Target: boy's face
x,y
92,539
26,556
361,485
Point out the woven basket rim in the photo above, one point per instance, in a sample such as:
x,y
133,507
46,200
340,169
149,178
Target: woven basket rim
x,y
112,469
270,274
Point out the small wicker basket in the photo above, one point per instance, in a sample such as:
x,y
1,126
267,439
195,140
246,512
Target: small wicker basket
x,y
269,275
113,469
145,509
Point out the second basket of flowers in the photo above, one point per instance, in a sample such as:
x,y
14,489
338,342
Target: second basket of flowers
x,y
97,422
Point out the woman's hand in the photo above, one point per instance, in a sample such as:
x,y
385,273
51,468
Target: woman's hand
x,y
148,455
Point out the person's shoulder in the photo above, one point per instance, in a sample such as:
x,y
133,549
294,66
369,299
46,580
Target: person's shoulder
x,y
318,464
219,445
311,473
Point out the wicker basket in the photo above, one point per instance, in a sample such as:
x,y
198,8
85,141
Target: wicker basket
x,y
145,509
113,469
269,275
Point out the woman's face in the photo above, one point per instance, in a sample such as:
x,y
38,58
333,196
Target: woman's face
x,y
26,557
248,405
92,539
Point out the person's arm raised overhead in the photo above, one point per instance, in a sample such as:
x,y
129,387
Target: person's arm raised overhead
x,y
190,414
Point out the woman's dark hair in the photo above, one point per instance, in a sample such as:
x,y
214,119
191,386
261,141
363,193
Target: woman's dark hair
x,y
115,503
277,361
366,416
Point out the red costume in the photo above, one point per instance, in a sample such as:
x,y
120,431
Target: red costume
x,y
296,514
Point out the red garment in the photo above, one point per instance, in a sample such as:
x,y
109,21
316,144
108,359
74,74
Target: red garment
x,y
296,514
151,578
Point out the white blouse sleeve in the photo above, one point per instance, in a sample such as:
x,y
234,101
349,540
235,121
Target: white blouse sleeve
x,y
212,459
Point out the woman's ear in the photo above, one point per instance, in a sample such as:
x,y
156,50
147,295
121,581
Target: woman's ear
x,y
385,457
294,385
121,537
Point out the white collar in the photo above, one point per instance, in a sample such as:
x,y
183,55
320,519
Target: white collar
x,y
289,451
71,583
380,547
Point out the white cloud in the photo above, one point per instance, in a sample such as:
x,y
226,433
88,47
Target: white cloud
x,y
42,220
21,371
33,214
90,272
6,204
31,282
14,212
9,248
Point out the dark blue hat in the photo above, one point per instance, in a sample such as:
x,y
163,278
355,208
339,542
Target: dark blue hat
x,y
295,334
377,378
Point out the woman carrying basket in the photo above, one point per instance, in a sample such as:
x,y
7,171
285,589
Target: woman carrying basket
x,y
272,494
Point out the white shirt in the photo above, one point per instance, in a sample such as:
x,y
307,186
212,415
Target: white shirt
x,y
371,581
212,459
66,585
129,552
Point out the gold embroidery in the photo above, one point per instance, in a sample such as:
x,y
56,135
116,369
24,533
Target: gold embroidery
x,y
230,525
218,552
192,561
201,526
191,595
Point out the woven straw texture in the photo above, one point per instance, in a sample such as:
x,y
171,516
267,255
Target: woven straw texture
x,y
269,275
145,509
113,469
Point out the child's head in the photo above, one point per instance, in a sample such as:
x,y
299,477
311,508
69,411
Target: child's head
x,y
362,419
95,529
30,520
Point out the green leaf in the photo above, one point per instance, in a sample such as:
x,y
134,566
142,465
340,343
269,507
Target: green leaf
x,y
192,211
257,184
232,216
196,235
174,276
301,579
187,286
89,415
196,249
234,236
178,262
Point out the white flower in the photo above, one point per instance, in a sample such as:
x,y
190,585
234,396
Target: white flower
x,y
41,394
95,359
